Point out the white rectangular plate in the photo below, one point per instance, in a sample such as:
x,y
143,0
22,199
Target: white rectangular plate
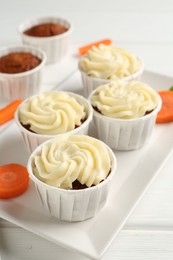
x,y
136,170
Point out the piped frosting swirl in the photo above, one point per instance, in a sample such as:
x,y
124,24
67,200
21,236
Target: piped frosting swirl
x,y
52,113
124,100
67,159
109,62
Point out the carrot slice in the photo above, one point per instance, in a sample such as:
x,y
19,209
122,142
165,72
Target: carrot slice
x,y
84,49
7,112
14,180
165,115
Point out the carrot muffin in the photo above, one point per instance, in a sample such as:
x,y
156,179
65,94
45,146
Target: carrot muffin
x,y
58,164
48,114
125,113
75,158
109,62
104,63
125,100
51,113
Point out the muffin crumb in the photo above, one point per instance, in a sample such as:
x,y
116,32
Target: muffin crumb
x,y
17,62
46,30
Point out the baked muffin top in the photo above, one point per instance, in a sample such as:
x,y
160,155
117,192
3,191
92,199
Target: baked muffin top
x,y
17,62
46,30
52,113
69,158
124,100
109,62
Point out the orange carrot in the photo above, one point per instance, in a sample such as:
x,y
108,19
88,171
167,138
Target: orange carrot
x,y
14,180
165,115
84,49
7,112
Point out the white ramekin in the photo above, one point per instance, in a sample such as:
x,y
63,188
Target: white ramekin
x,y
32,140
72,205
24,84
56,47
91,83
125,134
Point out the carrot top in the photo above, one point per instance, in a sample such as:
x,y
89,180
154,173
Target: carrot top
x,y
14,180
84,49
8,111
165,115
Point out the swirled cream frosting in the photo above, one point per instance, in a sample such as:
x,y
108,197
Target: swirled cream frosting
x,y
124,100
52,113
67,159
109,62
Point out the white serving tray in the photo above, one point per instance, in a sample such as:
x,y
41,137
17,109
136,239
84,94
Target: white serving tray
x,y
136,171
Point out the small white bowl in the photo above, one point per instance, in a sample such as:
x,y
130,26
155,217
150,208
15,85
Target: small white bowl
x,y
24,84
56,47
125,134
72,205
32,140
91,83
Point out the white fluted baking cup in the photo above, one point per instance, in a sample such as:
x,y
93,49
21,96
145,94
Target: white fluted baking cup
x,y
91,83
24,84
56,47
32,140
72,205
125,134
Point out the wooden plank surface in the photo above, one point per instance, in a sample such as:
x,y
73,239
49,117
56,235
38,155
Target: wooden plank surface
x,y
18,244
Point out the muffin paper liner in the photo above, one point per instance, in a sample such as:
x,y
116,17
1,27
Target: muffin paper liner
x,y
72,205
32,140
129,134
77,206
90,83
24,84
56,47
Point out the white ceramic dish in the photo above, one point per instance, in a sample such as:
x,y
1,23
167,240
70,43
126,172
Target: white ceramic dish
x,y
136,170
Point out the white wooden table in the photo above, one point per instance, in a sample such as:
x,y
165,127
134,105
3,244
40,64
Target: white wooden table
x,y
145,28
